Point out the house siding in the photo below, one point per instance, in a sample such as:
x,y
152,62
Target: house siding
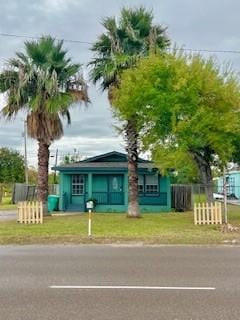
x,y
98,175
100,184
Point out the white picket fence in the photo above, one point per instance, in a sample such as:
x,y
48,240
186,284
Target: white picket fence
x,y
205,213
30,212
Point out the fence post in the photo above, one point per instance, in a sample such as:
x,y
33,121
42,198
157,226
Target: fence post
x,y
41,212
195,213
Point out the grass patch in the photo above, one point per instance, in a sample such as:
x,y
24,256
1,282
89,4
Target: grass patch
x,y
168,228
199,198
6,204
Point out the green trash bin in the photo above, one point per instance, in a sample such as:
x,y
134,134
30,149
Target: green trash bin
x,y
53,203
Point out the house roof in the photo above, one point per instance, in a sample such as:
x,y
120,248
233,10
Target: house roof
x,y
113,154
108,160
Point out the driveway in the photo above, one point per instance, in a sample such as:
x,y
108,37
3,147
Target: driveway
x,y
8,215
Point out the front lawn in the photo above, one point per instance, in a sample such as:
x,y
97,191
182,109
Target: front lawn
x,y
169,228
7,204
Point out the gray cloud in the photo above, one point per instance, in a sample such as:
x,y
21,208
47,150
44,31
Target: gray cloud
x,y
193,24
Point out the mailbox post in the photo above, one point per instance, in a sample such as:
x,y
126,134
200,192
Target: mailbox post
x,y
90,206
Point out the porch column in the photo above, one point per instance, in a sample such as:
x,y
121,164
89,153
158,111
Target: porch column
x,y
90,185
125,189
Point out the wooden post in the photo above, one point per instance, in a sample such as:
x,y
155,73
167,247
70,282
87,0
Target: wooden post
x,y
220,213
213,213
89,222
41,212
225,195
195,213
37,215
207,213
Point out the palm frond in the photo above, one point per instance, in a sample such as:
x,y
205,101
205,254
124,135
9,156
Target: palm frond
x,y
43,80
123,42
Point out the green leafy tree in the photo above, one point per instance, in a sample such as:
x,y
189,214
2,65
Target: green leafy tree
x,y
189,111
134,35
32,175
44,83
11,166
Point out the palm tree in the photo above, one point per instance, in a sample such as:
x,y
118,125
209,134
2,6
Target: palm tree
x,y
119,48
44,83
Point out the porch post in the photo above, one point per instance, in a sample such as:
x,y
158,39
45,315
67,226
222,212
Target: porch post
x,y
90,185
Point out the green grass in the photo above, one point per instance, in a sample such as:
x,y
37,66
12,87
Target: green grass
x,y
199,198
169,228
6,204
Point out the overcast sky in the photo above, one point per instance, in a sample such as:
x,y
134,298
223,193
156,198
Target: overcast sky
x,y
197,24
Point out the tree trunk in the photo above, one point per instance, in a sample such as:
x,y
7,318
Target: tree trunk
x,y
42,181
132,150
206,176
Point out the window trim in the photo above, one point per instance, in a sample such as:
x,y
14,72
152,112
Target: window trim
x,y
149,193
81,185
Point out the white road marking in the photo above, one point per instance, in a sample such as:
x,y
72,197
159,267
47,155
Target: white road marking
x,y
132,287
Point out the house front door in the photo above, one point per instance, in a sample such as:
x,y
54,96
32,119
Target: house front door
x,y
116,189
77,193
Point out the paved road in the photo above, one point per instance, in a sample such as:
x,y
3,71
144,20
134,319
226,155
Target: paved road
x,y
27,272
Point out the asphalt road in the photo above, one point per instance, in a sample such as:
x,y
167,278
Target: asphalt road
x,y
27,272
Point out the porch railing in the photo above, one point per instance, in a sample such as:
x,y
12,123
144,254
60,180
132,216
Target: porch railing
x,y
118,198
108,197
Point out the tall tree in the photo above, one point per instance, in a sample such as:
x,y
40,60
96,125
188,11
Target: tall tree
x,y
11,166
188,108
44,83
134,35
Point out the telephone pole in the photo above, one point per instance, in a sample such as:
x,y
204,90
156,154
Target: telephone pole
x,y
25,151
55,173
225,196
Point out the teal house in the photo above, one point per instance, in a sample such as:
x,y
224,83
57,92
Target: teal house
x,y
105,179
232,184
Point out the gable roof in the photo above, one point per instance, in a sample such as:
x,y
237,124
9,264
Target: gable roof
x,y
109,161
113,156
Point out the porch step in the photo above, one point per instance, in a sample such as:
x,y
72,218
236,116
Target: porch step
x,y
74,208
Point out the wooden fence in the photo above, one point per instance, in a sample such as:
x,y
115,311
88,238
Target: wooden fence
x,y
30,212
24,192
205,213
181,197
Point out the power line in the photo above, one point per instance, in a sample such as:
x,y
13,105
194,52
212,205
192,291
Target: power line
x,y
38,38
91,43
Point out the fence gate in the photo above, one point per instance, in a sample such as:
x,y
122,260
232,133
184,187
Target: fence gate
x,y
30,212
205,213
181,197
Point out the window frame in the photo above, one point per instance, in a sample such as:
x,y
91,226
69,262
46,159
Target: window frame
x,y
141,184
146,186
80,184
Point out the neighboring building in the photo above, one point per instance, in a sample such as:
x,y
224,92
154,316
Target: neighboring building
x,y
105,178
233,184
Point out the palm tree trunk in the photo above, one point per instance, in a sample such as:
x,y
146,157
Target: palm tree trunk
x,y
43,161
132,150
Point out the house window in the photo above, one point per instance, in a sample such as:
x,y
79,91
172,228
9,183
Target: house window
x,y
115,186
151,184
77,184
140,184
230,181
